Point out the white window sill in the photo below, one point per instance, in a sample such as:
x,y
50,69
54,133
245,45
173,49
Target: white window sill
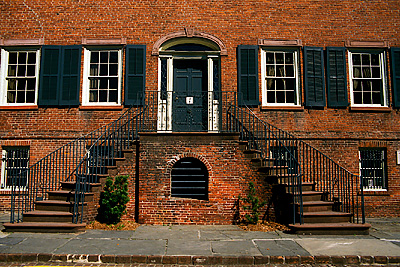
x,y
289,108
101,107
370,108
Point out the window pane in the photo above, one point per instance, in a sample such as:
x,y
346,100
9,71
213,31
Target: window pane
x,y
103,70
21,84
365,59
271,96
30,70
20,96
12,70
280,97
21,70
376,97
93,96
366,72
94,83
356,59
289,71
22,58
279,58
279,84
30,96
271,71
103,83
289,96
113,96
113,57
113,83
113,70
291,84
94,70
356,72
289,58
375,59
103,57
280,71
270,84
94,57
12,84
358,98
103,96
376,72
11,96
12,58
31,84
270,58
31,58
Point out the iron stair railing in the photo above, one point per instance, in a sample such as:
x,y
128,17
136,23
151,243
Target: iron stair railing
x,y
304,163
80,160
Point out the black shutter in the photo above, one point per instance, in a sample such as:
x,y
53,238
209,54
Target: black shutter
x,y
60,76
395,58
247,58
135,79
49,75
336,77
70,75
314,77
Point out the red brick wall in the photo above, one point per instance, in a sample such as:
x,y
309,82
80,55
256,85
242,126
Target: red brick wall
x,y
229,174
340,132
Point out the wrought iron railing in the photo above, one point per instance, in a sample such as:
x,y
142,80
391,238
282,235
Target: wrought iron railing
x,y
302,163
81,160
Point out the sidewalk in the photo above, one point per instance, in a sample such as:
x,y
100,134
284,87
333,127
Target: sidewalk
x,y
205,245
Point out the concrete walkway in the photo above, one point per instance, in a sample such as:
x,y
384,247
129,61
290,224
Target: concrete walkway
x,y
221,245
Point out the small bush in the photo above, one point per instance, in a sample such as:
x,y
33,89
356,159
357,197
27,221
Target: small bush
x,y
113,200
252,203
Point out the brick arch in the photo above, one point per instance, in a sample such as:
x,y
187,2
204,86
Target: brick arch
x,y
172,162
189,33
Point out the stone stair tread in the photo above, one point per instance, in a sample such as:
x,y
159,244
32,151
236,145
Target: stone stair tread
x,y
317,203
48,213
45,227
73,183
326,213
312,192
330,225
56,202
66,192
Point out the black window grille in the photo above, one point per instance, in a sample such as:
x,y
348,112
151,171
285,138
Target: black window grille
x,y
373,168
15,167
285,156
189,179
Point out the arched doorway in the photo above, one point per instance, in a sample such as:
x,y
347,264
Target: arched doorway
x,y
189,84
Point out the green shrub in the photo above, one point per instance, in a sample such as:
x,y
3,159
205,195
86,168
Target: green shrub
x,y
113,200
252,203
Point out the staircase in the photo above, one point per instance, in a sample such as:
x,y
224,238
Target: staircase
x,y
313,194
64,187
302,198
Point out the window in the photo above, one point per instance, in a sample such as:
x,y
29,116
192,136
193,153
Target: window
x,y
280,77
373,168
189,179
367,75
14,167
20,69
102,80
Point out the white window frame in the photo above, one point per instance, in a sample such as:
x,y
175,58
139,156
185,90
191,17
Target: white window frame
x,y
86,74
382,63
383,167
3,178
297,97
4,74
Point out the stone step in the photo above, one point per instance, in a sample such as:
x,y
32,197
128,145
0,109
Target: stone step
x,y
45,227
56,205
326,217
305,186
71,186
66,195
330,228
314,206
48,216
313,196
274,170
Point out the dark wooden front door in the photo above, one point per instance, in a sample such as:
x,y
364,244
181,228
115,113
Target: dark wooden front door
x,y
190,96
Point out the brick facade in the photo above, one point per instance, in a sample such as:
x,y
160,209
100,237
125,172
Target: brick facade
x,y
338,132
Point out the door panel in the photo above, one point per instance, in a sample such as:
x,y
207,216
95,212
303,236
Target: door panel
x,y
190,96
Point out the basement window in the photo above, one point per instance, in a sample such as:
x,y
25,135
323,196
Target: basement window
x,y
189,179
14,167
373,169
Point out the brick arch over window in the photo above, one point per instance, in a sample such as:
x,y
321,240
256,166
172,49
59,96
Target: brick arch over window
x,y
189,33
172,162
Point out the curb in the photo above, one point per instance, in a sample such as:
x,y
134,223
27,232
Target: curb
x,y
200,260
